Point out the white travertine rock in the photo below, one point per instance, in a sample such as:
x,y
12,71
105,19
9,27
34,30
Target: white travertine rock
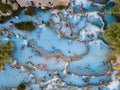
x,y
37,3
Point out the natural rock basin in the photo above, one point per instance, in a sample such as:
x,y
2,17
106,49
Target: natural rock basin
x,y
47,57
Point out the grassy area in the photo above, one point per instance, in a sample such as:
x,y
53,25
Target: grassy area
x,y
29,11
25,26
5,51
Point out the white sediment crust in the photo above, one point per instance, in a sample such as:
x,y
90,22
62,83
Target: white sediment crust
x,y
37,3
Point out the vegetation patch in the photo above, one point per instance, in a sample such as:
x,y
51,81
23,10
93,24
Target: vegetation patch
x,y
21,87
5,51
29,11
58,7
113,35
116,8
25,26
5,7
4,18
16,12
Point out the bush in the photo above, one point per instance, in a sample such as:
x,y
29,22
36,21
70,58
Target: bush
x,y
60,7
5,7
4,18
48,24
21,87
16,12
5,51
30,11
25,26
113,35
116,9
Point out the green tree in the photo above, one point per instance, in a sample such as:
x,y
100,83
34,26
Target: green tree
x,y
116,9
5,51
113,36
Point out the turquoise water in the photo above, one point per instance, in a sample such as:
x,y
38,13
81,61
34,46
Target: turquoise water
x,y
93,66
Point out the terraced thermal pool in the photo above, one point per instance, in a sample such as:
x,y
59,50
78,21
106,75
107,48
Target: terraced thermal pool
x,y
69,54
